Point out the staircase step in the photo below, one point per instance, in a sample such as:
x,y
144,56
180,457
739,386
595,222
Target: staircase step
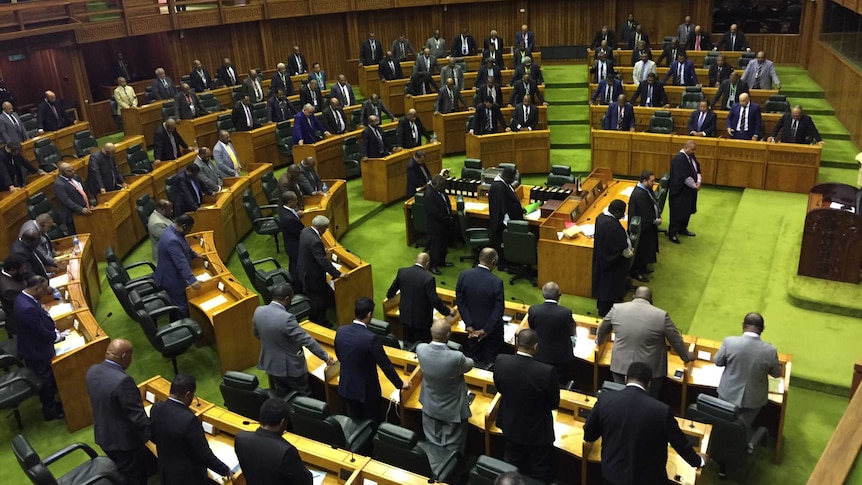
x,y
794,95
558,114
839,154
815,106
566,94
566,85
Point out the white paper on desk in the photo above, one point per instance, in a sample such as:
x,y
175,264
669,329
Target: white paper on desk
x,y
59,281
509,332
560,236
72,342
336,266
533,216
584,345
475,206
707,374
226,454
317,476
320,372
776,385
57,311
588,230
395,396
366,481
704,355
203,276
627,192
213,302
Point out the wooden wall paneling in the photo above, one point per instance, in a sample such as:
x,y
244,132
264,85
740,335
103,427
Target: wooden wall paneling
x,y
41,70
314,37
287,8
840,81
480,18
555,21
781,49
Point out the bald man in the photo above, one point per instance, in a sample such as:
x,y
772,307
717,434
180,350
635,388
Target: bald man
x,y
103,174
411,130
167,142
49,114
120,425
418,300
555,327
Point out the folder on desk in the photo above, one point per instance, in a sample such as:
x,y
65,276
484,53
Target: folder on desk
x,y
213,302
59,281
58,311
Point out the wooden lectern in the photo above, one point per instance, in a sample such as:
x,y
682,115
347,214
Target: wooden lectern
x,y
358,283
832,238
385,179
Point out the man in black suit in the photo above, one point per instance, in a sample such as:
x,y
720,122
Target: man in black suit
x,y
605,35
418,175
374,106
464,44
184,454
308,180
603,68
120,425
620,115
279,108
311,94
643,203
264,455
702,121
554,325
334,119
685,179
28,247
480,301
651,93
603,48
503,206
296,63
611,253
421,82
343,91
163,86
529,393
187,105
487,119
448,98
729,92
123,69
200,79
50,115
252,87
796,127
527,68
167,142
626,30
488,73
525,117
281,80
14,168
13,279
418,301
635,431
700,40
670,52
494,54
103,174
719,71
371,51
374,144
241,116
733,40
637,36
290,223
411,131
312,267
526,86
438,209
71,195
227,74
389,68
493,40
188,191
491,90
360,353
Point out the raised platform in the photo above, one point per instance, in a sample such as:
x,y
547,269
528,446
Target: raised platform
x,y
826,296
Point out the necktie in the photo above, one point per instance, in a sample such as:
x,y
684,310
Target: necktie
x,y
248,116
373,49
197,191
191,105
744,119
258,93
392,68
445,202
339,120
637,38
165,83
437,43
700,121
733,42
232,76
679,74
620,120
490,121
649,96
54,110
232,155
18,127
173,145
403,51
313,97
298,62
346,95
320,80
607,92
793,127
601,71
757,77
673,54
697,43
283,81
451,98
413,130
203,77
464,49
379,138
526,88
526,113
645,71
80,190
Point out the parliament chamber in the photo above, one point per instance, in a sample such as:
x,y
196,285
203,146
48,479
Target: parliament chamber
x,y
71,48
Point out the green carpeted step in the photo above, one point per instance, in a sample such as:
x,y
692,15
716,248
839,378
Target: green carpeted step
x,y
566,94
566,115
815,106
570,136
566,85
830,128
839,154
834,175
577,159
800,95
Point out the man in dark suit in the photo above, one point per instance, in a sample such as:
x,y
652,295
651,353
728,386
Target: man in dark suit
x,y
503,206
411,131
11,128
729,92
187,105
700,40
527,37
796,127
163,86
290,223
306,126
487,119
402,48
296,63
318,75
438,208
374,106
174,271
28,247
426,63
719,71
603,68
681,71
123,69
371,51
227,74
526,86
489,72
241,116
643,203
733,40
493,40
491,90
671,52
120,425
334,119
167,142
493,53
13,280
448,98
605,49
635,431
464,44
188,191
525,69
374,144
605,35
50,115
14,168
184,454
525,116
308,180
620,115
279,108
389,68
555,327
311,94
313,265
611,254
418,301
418,175
626,30
480,301
420,83
103,175
529,393
200,79
685,179
607,91
651,93
744,121
702,121
638,35
71,195
360,353
343,91
640,51
264,455
281,80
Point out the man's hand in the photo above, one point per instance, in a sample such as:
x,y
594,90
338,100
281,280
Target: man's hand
x,y
821,143
471,108
632,130
658,221
544,103
86,211
344,276
730,131
12,188
125,185
326,134
704,458
470,132
301,142
778,86
508,129
697,186
470,332
480,334
331,361
102,191
41,172
156,163
406,385
755,138
770,139
691,357
196,285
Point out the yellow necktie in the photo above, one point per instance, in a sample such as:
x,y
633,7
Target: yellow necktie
x,y
232,156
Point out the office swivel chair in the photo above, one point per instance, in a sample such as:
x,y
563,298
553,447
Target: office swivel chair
x,y
243,395
560,175
311,419
97,469
661,122
400,447
475,238
520,251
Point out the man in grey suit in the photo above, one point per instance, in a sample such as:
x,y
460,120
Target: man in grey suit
x,y
209,176
437,45
641,330
11,128
281,343
453,71
761,74
445,407
426,62
747,360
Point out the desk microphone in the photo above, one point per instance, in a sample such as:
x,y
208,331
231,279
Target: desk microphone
x,y
522,302
351,252
99,328
243,286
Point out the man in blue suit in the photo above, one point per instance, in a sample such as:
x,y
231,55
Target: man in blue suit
x,y
174,271
682,71
360,352
606,94
188,191
306,126
479,298
744,121
620,115
36,337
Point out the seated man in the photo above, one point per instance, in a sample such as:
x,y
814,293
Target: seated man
x,y
14,168
526,116
702,121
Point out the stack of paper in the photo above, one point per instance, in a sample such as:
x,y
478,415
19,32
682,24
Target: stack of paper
x,y
533,216
475,206
212,303
627,192
776,385
72,341
509,330
588,230
59,281
226,454
707,374
61,309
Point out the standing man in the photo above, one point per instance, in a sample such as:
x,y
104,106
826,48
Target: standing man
x,y
162,86
503,206
729,92
281,80
418,301
103,174
370,52
651,93
702,121
479,298
643,204
360,353
747,361
188,192
209,176
426,63
159,220
125,95
681,71
437,45
402,48
525,116
526,36
620,115
761,74
685,30
167,142
311,94
184,454
641,330
611,254
555,327
50,114
282,341
529,393
308,180
252,87
69,191
279,108
796,127
290,223
312,267
174,271
241,116
11,127
343,91
227,73
200,79
685,180
465,44
389,68
635,431
643,68
374,143
487,118
373,106
14,168
448,98
700,40
733,40
719,71
453,71
317,75
445,407
296,63
187,104
265,457
334,119
306,126
12,283
418,175
120,425
227,160
411,131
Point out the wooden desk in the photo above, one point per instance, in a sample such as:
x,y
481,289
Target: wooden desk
x,y
333,205
328,153
359,284
385,179
258,146
143,120
111,223
63,139
203,129
530,151
451,130
680,119
220,215
623,57
392,95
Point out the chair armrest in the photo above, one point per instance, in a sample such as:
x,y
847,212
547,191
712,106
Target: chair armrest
x,y
261,220
7,361
33,386
269,207
366,426
140,263
73,157
101,476
759,437
173,329
170,310
65,451
143,287
477,231
266,260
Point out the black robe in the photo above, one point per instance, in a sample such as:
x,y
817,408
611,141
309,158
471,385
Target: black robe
x,y
610,267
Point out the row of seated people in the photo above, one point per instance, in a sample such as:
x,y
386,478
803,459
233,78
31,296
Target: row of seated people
x,y
50,116
633,36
